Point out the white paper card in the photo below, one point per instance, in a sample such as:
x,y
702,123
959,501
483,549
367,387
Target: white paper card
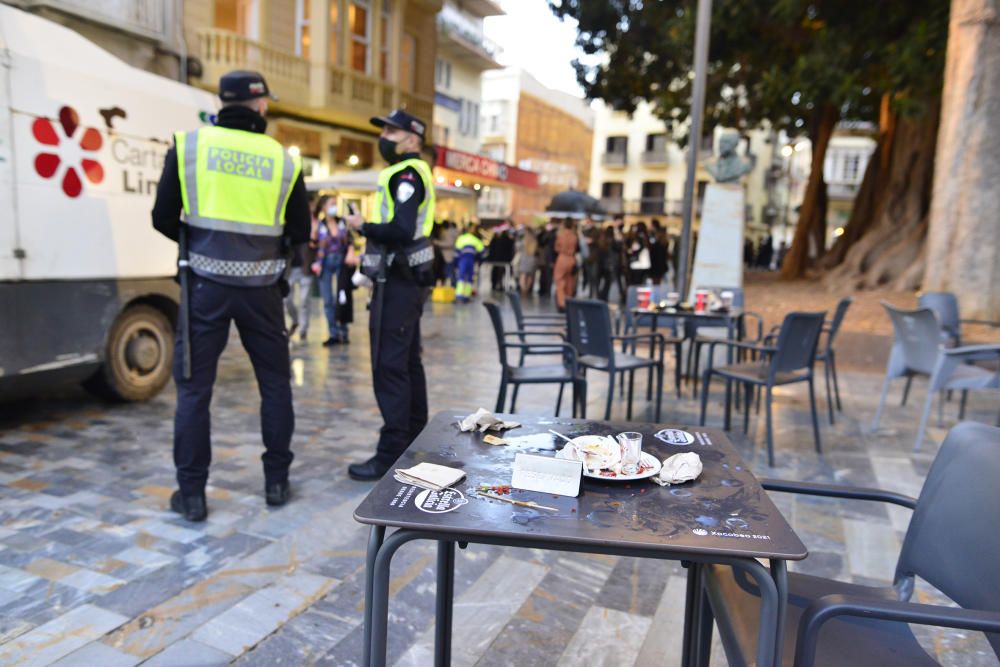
x,y
547,475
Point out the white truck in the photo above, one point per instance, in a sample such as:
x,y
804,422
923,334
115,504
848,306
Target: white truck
x,y
87,289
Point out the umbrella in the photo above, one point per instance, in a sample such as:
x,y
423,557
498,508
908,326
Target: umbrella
x,y
574,204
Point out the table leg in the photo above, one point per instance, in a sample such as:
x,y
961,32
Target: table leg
x,y
652,355
692,596
445,593
375,538
779,572
380,595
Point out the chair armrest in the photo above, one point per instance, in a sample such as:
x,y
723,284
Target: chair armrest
x,y
973,351
636,336
553,317
831,606
839,491
522,332
654,339
744,345
985,323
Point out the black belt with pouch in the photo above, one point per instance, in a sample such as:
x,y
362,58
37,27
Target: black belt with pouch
x,y
415,260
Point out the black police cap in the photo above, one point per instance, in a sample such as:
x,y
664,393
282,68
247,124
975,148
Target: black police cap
x,y
402,120
242,85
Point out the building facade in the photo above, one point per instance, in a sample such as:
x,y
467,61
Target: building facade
x,y
332,63
544,131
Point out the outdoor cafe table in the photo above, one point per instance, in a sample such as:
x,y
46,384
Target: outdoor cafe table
x,y
724,516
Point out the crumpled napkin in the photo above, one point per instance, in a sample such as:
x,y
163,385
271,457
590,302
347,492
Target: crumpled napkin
x,y
678,469
484,420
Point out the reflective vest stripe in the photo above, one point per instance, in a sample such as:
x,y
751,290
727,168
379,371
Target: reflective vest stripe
x,y
234,268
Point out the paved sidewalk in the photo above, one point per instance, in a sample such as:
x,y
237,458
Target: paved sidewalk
x,y
95,571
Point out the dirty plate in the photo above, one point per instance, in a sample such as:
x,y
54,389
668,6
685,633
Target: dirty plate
x,y
649,465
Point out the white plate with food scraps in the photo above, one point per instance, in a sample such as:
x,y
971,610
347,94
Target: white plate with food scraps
x,y
601,457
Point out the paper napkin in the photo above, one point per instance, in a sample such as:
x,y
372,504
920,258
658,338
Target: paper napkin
x,y
430,476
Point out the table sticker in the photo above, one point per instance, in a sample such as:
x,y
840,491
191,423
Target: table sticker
x,y
673,436
439,502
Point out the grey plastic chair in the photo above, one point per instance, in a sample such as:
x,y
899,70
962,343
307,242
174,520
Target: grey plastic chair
x,y
588,327
951,543
692,325
828,356
790,360
532,323
629,323
567,371
917,350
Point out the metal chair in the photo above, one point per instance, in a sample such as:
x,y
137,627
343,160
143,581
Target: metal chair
x,y
692,325
526,323
917,349
950,543
567,371
791,360
628,323
828,356
588,325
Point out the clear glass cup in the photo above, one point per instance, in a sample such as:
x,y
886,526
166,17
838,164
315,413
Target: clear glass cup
x,y
631,444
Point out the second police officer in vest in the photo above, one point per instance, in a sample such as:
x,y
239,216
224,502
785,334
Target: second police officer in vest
x,y
244,205
404,213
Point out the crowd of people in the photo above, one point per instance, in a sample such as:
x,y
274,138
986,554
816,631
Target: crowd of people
x,y
564,256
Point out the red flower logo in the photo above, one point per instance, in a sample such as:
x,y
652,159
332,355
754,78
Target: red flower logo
x,y
47,164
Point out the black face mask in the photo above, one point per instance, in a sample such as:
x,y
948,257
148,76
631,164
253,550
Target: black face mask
x,y
387,149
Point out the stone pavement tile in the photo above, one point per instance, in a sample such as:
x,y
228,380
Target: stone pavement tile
x,y
52,570
872,549
167,531
16,580
635,586
666,631
147,558
92,582
11,628
550,616
96,654
189,653
481,612
258,615
606,638
59,637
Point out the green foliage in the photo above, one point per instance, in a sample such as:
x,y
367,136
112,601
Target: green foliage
x,y
779,60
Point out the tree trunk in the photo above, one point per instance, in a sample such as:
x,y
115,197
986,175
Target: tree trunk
x,y
810,230
963,252
893,206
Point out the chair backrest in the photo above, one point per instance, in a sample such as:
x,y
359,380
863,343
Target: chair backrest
x,y
838,319
497,319
588,326
952,541
797,342
945,307
917,338
515,305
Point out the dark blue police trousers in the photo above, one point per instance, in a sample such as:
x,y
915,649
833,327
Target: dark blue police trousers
x,y
260,321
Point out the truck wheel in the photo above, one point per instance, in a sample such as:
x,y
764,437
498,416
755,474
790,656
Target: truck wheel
x,y
138,357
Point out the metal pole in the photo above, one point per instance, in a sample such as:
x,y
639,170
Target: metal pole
x,y
697,112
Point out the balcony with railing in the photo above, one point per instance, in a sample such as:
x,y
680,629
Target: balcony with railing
x,y
145,18
671,208
614,159
654,158
221,51
466,43
613,205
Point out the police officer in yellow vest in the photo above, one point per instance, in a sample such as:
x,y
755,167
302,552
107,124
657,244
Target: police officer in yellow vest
x,y
244,204
404,212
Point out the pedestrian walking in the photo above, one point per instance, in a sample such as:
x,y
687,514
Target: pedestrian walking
x,y
298,303
658,251
566,246
237,198
345,288
527,259
398,244
331,245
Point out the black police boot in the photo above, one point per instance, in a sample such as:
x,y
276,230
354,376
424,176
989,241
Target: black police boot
x,y
369,471
192,508
277,493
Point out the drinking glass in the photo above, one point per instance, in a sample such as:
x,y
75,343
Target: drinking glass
x,y
631,444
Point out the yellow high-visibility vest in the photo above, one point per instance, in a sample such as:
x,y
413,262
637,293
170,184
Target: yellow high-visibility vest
x,y
385,205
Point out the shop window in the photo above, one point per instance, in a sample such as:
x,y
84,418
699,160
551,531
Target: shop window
x,y
386,39
302,27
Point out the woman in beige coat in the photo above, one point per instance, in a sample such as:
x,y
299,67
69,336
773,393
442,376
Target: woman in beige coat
x,y
565,268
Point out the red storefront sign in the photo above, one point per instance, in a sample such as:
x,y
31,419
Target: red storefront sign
x,y
484,167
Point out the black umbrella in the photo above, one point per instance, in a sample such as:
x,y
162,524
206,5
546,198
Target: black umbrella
x,y
574,204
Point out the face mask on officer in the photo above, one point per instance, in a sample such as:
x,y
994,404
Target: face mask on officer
x,y
387,149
